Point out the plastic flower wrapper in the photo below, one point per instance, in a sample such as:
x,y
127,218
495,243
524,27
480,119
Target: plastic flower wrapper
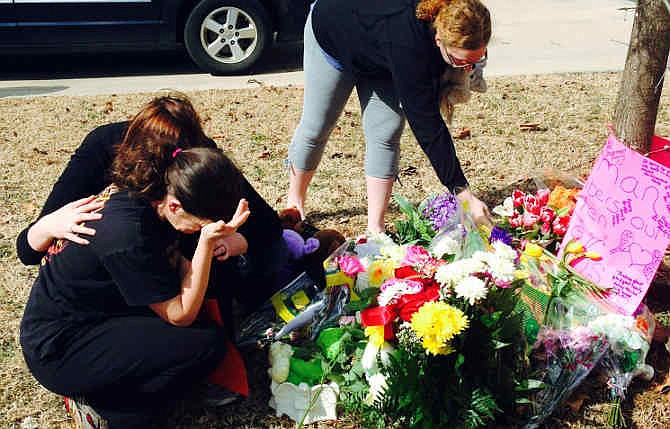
x,y
289,309
548,277
629,338
564,353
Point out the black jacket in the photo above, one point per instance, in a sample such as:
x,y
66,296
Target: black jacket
x,y
384,39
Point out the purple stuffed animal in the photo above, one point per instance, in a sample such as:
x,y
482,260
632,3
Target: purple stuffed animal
x,y
297,246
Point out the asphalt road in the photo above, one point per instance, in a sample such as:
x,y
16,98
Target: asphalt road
x,y
529,37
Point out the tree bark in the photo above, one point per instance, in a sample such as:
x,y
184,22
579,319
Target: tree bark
x,y
642,82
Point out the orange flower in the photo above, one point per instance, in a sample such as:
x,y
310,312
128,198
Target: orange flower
x,y
563,197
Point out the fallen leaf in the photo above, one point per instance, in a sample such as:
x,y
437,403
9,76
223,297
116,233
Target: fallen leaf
x,y
264,155
40,151
529,126
462,133
336,155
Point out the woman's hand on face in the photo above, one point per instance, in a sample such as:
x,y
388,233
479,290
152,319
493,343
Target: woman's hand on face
x,y
234,245
67,222
478,210
214,231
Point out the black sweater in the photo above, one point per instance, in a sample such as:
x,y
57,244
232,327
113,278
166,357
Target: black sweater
x,y
384,39
86,174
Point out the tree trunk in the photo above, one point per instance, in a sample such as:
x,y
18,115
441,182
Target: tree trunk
x,y
642,81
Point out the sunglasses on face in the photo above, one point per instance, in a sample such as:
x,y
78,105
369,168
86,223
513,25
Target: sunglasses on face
x,y
460,64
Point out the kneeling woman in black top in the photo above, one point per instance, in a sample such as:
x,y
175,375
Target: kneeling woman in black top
x,y
114,321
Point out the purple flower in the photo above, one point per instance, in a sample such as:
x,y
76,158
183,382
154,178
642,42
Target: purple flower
x,y
499,234
440,210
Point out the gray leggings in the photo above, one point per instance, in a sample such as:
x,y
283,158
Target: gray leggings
x,y
326,92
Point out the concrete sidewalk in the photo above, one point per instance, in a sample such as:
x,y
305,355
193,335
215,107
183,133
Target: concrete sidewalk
x,y
530,37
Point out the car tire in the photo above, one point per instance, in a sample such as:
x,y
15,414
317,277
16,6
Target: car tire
x,y
227,36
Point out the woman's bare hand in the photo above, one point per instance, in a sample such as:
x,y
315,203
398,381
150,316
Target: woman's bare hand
x,y
66,223
478,210
218,230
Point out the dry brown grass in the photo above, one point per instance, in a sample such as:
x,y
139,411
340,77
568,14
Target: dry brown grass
x,y
39,134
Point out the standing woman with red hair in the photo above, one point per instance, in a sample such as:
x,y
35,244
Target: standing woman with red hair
x,y
394,52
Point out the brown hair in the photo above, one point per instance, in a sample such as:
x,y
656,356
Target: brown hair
x,y
460,23
206,183
161,126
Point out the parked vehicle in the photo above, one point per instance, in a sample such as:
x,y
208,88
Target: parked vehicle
x,y
221,36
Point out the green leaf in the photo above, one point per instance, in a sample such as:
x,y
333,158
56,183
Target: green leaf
x,y
405,205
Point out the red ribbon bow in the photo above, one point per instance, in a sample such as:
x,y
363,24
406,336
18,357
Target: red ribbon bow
x,y
405,306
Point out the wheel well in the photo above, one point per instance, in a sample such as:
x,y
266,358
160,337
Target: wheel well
x,y
187,6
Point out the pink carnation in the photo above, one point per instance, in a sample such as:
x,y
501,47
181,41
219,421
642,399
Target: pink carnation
x,y
350,265
414,255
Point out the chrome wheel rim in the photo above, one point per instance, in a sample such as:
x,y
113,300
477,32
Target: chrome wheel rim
x,y
229,35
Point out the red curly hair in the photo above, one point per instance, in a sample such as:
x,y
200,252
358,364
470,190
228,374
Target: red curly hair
x,y
460,23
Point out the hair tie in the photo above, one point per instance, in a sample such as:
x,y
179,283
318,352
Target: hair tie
x,y
176,151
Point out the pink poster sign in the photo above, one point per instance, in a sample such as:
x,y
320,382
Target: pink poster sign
x,y
623,214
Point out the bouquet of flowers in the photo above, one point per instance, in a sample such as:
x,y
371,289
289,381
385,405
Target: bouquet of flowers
x,y
542,217
431,335
456,328
561,359
629,338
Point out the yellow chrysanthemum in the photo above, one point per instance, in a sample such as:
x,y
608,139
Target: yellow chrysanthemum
x,y
433,346
379,271
376,335
440,321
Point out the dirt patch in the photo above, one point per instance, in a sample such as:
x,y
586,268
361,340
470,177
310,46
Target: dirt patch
x,y
570,114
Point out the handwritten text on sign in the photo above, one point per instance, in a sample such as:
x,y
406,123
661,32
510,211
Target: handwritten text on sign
x,y
623,214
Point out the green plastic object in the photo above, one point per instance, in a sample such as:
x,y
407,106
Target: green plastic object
x,y
302,371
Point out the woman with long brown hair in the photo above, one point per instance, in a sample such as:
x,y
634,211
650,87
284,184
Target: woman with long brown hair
x,y
113,323
394,52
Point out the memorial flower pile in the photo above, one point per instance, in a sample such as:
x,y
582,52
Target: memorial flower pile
x,y
445,324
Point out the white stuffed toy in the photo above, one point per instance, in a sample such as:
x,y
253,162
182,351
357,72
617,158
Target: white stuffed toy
x,y
456,86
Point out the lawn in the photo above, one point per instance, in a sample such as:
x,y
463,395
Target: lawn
x,y
572,111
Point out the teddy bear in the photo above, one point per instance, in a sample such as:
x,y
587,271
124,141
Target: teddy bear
x,y
456,86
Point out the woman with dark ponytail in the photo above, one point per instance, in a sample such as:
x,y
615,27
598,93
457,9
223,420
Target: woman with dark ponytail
x,y
394,52
111,325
